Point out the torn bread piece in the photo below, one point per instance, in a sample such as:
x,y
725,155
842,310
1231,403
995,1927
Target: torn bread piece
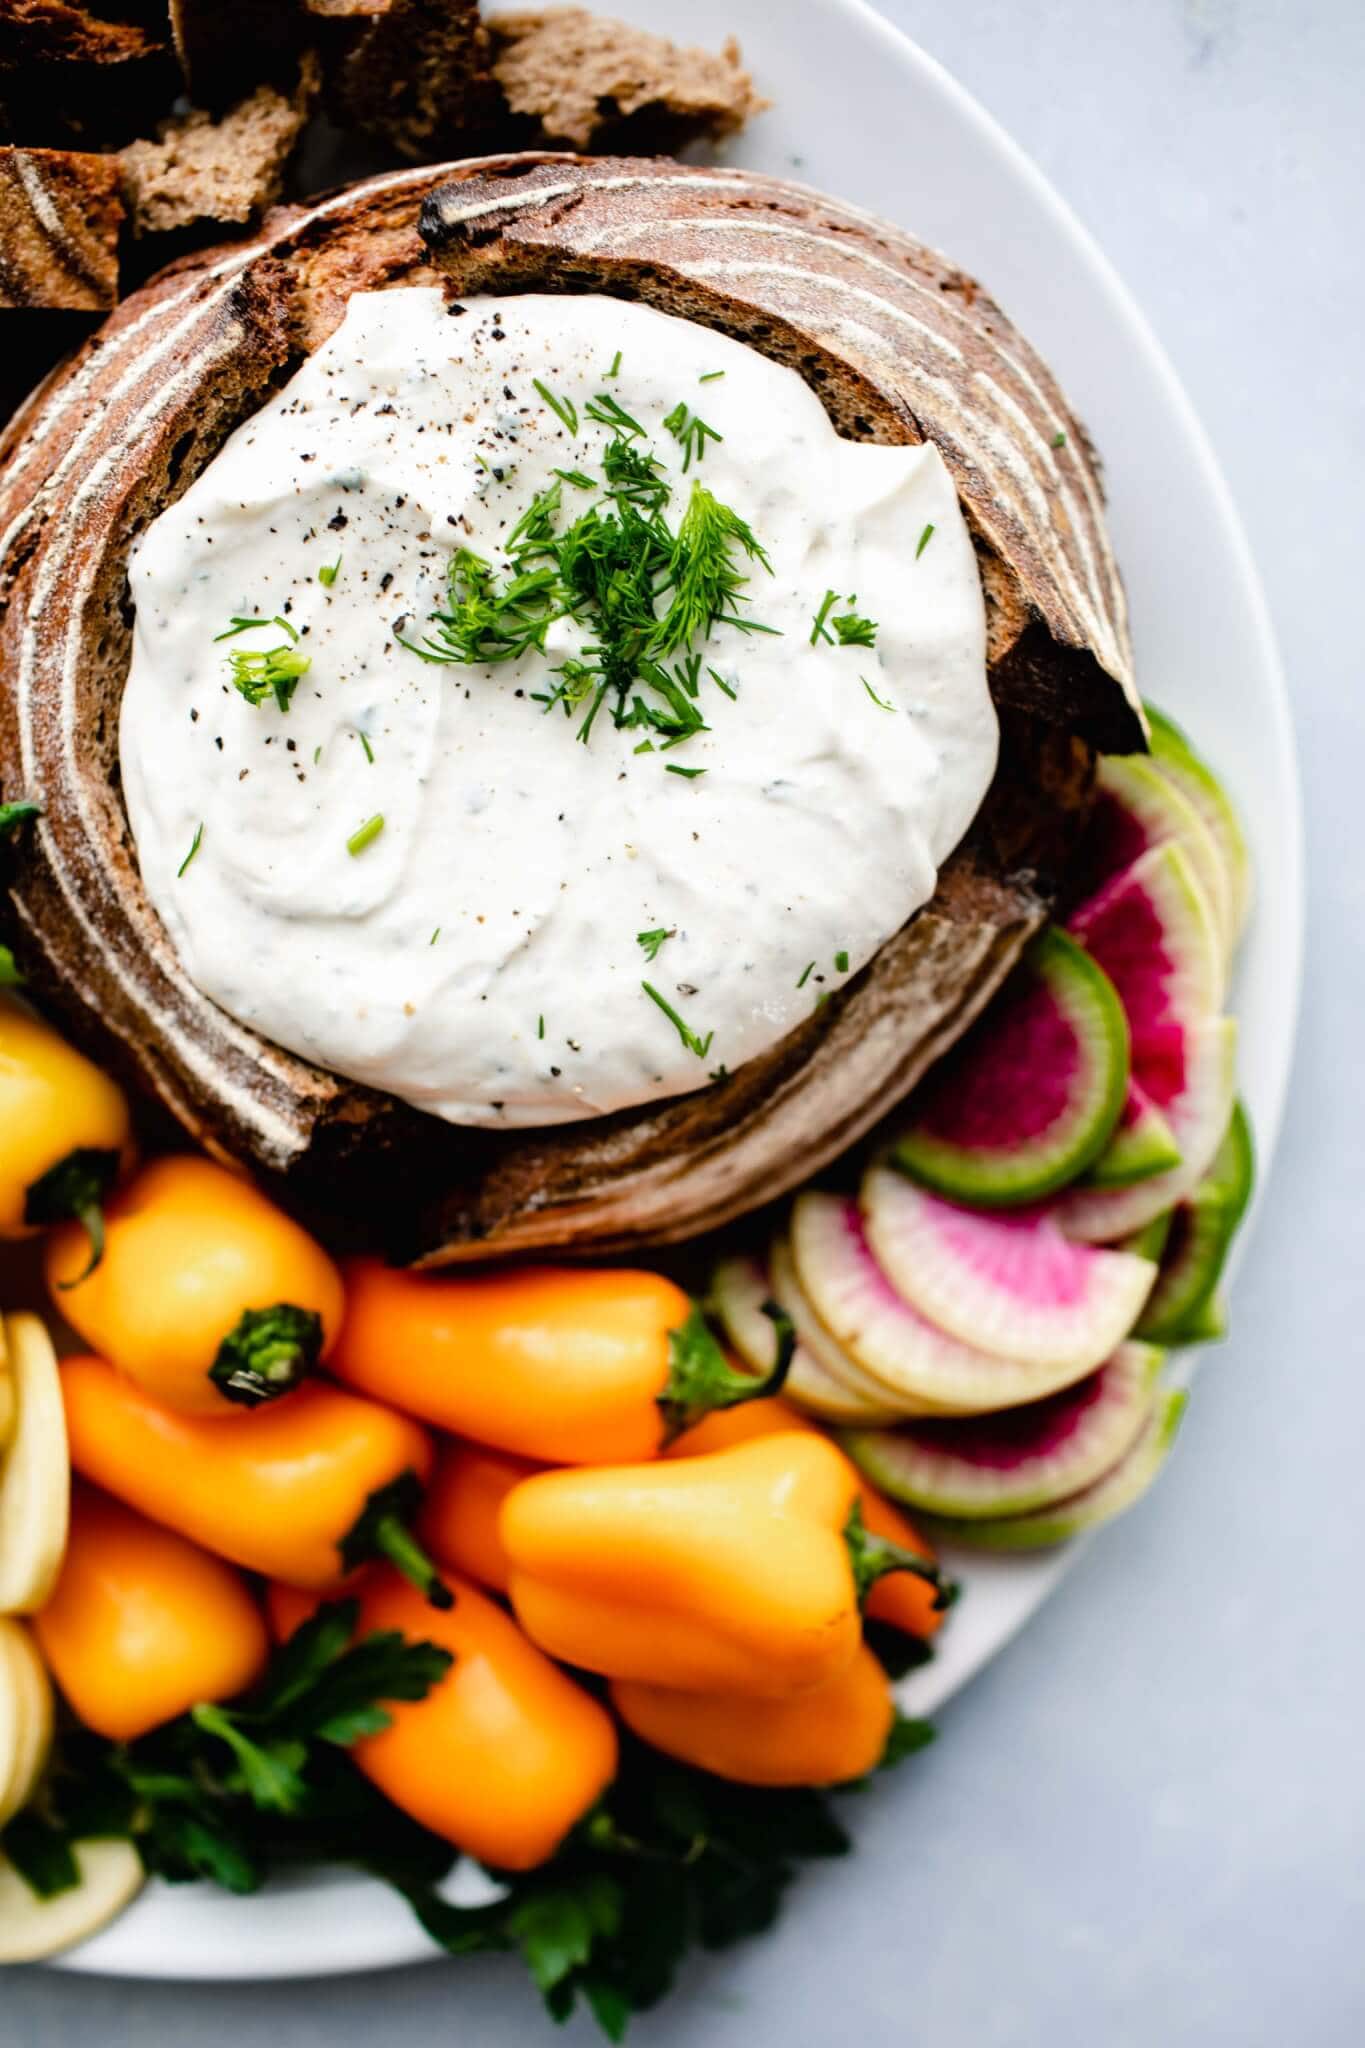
x,y
59,223
226,47
228,170
414,74
596,83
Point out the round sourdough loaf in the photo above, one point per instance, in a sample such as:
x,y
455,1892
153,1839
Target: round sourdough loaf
x,y
900,346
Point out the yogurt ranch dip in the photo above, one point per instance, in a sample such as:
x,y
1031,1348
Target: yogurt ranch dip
x,y
519,891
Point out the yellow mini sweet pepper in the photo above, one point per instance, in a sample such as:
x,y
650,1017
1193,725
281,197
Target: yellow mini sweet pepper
x,y
739,1572
65,1126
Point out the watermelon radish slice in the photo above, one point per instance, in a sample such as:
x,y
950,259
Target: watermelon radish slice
x,y
924,1369
1022,1458
1142,1145
739,1288
1012,1285
1139,806
1202,1230
1030,1097
1198,1117
1172,752
1101,1501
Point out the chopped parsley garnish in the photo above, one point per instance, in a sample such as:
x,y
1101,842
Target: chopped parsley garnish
x,y
1059,440
925,539
841,962
195,844
880,702
650,942
806,974
615,369
328,573
699,1046
850,630
691,433
364,739
563,408
605,410
710,376
365,835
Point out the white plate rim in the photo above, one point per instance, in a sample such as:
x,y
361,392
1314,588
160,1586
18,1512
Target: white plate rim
x,y
338,1923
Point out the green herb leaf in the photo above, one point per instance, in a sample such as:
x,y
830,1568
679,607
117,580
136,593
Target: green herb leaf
x,y
841,963
40,1853
925,537
880,702
17,814
710,376
693,1044
364,739
1059,440
563,408
195,845
10,975
806,973
673,768
650,942
615,369
328,573
365,835
690,432
606,411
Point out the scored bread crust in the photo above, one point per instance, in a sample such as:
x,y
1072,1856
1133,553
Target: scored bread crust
x,y
900,347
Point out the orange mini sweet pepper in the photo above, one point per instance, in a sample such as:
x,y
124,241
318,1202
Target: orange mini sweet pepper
x,y
505,1754
141,1625
902,1599
826,1735
739,1572
572,1367
207,1295
303,1490
459,1519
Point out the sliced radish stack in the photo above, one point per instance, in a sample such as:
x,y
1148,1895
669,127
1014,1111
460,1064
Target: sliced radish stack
x,y
1192,776
1138,806
819,1378
1181,1307
1021,1458
1031,1095
1012,1285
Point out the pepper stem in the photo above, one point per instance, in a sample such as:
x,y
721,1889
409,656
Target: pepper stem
x,y
701,1378
75,1190
382,1530
268,1353
872,1557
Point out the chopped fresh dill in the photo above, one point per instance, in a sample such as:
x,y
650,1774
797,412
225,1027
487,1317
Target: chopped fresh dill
x,y
718,679
672,768
605,410
806,973
635,474
704,572
194,848
364,739
827,604
563,408
1059,440
691,433
694,1044
534,532
365,835
483,624
615,369
841,962
849,629
578,479
328,573
650,942
710,376
880,702
925,539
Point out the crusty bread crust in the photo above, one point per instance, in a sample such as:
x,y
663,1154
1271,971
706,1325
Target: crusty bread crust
x,y
59,226
899,346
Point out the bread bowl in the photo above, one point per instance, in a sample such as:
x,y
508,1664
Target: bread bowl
x,y
900,347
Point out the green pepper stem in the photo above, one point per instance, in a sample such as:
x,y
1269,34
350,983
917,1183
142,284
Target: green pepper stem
x,y
381,1530
702,1379
74,1190
872,1557
268,1353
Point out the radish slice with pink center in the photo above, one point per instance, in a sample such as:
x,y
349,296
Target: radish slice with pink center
x,y
1138,806
1009,1284
1030,1097
819,1379
1152,932
1193,777
928,1370
1105,1497
1198,1116
1143,1144
1021,1458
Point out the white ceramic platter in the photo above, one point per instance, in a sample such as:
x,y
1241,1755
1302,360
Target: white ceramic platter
x,y
862,113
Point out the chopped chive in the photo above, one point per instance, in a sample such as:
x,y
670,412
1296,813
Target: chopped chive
x,y
578,479
435,936
841,962
806,974
672,768
563,407
925,539
317,755
694,1044
645,747
827,604
194,848
1059,440
540,1027
328,573
710,376
880,702
365,743
721,684
615,369
365,835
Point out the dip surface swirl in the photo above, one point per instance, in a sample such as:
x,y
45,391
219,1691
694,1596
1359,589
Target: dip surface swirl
x,y
540,929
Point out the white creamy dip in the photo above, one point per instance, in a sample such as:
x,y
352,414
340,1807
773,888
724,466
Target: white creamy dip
x,y
478,954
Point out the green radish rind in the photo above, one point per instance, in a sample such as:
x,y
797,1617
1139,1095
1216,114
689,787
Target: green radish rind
x,y
1154,796
1181,1307
1136,1151
1021,1173
912,1468
819,1378
1172,751
1107,1497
